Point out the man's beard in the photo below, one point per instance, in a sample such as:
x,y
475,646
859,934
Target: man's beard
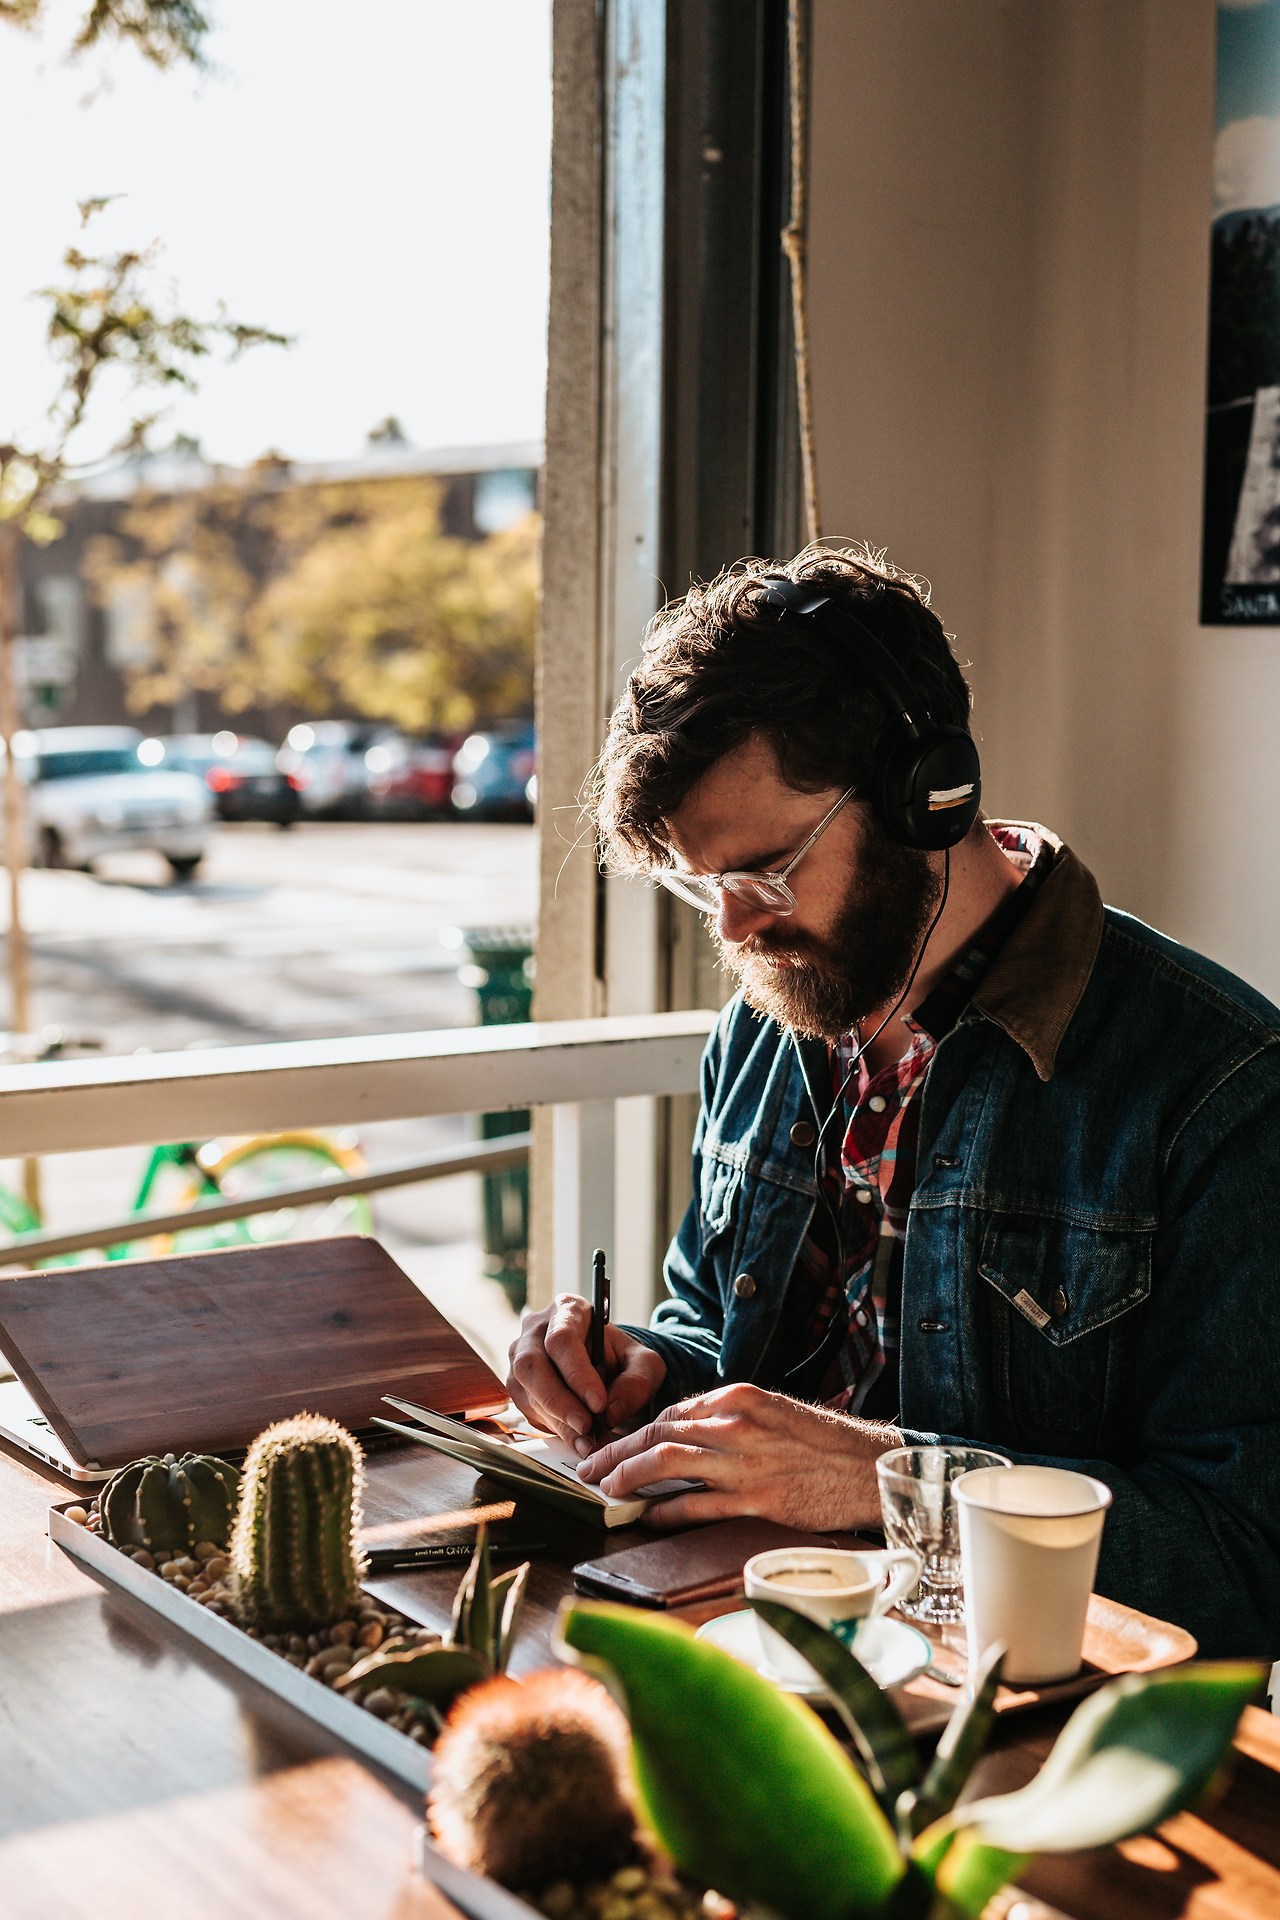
x,y
866,960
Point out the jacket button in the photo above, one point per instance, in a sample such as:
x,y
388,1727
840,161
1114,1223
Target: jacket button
x,y
744,1286
1059,1304
803,1134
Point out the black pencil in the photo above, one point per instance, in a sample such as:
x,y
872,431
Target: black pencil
x,y
444,1554
599,1321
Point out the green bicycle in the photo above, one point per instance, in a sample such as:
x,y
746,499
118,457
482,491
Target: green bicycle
x,y
179,1177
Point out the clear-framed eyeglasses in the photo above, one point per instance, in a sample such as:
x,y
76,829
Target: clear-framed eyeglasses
x,y
766,892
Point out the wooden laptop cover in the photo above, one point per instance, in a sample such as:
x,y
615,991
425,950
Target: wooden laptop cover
x,y
202,1350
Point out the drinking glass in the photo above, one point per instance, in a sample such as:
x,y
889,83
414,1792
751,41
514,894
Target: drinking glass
x,y
918,1502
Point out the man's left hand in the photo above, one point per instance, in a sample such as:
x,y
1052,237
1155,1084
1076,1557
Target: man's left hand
x,y
756,1453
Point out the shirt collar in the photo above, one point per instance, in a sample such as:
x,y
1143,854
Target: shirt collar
x,y
1036,981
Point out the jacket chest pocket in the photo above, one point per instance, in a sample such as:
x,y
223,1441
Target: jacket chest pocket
x,y
1058,1312
717,1198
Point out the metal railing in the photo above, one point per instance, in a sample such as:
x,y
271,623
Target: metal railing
x,y
487,1156
579,1068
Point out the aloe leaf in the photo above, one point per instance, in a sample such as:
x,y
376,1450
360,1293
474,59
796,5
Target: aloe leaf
x,y
508,1620
972,1871
436,1674
479,1634
498,1587
957,1752
1139,1750
744,1786
460,1624
877,1728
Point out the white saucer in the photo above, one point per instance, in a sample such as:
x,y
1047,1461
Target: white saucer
x,y
891,1651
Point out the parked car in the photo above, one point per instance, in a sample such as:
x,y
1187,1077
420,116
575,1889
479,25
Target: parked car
x,y
326,760
411,779
240,772
98,790
493,771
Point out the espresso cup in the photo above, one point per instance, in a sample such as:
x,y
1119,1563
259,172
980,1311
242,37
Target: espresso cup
x,y
832,1585
1029,1539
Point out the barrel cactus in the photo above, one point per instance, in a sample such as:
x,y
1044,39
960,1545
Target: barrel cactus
x,y
294,1555
170,1505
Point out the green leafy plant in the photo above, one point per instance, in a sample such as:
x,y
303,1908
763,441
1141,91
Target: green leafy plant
x,y
486,1612
170,1504
294,1555
749,1791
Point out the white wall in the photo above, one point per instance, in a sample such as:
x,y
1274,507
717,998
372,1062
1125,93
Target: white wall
x,y
1009,281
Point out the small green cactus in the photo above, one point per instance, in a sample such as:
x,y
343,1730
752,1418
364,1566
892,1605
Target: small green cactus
x,y
294,1555
170,1505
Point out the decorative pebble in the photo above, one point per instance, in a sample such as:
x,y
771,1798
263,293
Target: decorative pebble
x,y
634,1893
78,1515
370,1635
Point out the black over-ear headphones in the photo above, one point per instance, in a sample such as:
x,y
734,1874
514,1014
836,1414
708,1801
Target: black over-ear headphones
x,y
929,786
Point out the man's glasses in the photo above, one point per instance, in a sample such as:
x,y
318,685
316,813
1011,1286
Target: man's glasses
x,y
767,892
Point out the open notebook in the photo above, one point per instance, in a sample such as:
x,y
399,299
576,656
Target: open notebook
x,y
523,1456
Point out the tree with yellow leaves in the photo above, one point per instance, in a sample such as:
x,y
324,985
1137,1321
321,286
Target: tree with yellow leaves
x,y
333,596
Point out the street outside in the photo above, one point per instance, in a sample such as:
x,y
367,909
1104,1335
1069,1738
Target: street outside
x,y
324,930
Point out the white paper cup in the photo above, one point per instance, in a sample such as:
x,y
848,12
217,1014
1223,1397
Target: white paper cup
x,y
1029,1539
830,1585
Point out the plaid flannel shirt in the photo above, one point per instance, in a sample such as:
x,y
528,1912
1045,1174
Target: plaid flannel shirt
x,y
865,1198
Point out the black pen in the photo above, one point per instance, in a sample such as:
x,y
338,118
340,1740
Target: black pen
x,y
444,1553
599,1321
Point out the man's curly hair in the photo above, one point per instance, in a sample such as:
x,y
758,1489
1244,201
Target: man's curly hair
x,y
719,667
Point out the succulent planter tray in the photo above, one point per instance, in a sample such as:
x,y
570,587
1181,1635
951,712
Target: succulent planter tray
x,y
363,1731
479,1899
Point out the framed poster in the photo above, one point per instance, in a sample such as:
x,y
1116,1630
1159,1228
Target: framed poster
x,y
1240,551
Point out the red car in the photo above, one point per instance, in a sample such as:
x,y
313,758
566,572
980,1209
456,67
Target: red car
x,y
411,779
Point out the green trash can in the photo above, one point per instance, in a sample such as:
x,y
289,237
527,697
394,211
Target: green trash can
x,y
501,972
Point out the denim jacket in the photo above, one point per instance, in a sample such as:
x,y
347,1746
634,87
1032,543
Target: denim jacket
x,y
1090,1271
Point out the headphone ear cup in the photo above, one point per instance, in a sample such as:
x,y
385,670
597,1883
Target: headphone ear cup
x,y
931,789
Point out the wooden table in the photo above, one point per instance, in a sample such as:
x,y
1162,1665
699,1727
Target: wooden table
x,y
140,1777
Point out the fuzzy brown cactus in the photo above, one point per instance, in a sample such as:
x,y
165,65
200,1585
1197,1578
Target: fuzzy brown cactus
x,y
532,1782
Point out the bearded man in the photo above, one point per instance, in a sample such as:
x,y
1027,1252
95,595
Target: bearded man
x,y
979,1160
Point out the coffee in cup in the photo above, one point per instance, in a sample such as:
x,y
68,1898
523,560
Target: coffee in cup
x,y
832,1586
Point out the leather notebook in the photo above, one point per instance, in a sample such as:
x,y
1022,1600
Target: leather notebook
x,y
201,1351
702,1563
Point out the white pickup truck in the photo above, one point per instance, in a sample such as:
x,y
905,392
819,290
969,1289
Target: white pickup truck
x,y
96,790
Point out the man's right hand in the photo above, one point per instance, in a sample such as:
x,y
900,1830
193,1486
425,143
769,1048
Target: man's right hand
x,y
554,1384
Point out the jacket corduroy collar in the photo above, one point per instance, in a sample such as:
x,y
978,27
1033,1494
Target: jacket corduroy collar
x,y
1035,983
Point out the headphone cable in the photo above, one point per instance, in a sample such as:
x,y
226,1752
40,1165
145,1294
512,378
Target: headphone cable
x,y
860,1051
